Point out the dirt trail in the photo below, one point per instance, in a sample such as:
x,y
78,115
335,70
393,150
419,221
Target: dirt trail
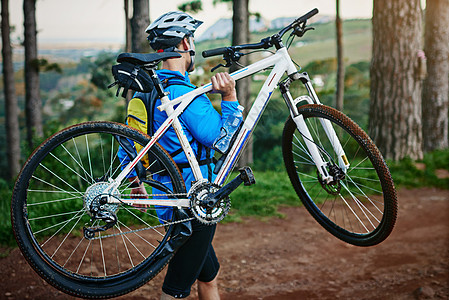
x,y
294,258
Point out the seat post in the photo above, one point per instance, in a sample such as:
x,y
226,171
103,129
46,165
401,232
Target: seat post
x,y
157,83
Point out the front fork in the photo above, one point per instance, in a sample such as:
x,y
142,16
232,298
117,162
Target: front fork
x,y
312,98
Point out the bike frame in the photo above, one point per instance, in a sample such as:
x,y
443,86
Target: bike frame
x,y
281,63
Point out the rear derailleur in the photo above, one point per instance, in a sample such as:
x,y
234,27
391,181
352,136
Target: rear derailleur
x,y
98,211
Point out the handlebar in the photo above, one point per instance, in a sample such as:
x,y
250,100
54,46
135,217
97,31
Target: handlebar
x,y
264,43
214,52
307,16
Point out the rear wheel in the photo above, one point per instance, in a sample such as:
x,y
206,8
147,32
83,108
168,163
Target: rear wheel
x,y
57,228
359,207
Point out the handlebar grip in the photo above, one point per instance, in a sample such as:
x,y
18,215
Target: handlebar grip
x,y
308,15
214,52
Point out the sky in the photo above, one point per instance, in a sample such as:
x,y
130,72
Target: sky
x,y
103,20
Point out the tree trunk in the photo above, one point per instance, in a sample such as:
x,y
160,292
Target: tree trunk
x,y
436,86
127,27
33,103
395,108
11,108
128,43
240,35
340,60
139,22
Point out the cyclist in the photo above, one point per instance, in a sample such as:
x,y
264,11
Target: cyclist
x,y
196,259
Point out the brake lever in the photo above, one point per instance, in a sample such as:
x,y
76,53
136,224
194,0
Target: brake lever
x,y
229,57
300,31
228,64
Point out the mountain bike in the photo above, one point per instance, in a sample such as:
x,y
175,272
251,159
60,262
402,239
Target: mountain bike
x,y
80,228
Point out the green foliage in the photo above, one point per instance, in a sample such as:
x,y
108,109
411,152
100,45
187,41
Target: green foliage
x,y
192,6
100,70
6,235
422,173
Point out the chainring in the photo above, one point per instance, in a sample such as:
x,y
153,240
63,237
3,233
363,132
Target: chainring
x,y
209,216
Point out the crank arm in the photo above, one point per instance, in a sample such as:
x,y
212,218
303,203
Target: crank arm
x,y
246,177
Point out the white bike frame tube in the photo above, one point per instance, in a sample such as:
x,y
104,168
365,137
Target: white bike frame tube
x,y
280,66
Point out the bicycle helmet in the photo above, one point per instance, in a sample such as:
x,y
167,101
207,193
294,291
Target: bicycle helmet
x,y
168,30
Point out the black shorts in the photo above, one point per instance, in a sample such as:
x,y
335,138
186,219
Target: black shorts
x,y
195,259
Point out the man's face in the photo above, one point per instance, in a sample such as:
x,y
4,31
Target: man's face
x,y
191,43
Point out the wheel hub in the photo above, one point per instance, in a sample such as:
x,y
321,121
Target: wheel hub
x,y
333,187
93,196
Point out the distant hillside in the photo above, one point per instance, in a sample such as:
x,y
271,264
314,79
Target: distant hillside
x,y
315,45
223,27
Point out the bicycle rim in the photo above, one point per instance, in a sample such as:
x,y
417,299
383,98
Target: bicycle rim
x,y
52,203
359,209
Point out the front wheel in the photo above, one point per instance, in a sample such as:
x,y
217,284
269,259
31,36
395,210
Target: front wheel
x,y
359,207
57,195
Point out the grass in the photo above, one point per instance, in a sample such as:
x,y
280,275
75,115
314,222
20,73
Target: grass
x,y
422,173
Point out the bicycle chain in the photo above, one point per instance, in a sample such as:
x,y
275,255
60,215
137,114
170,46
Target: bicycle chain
x,y
153,195
141,229
146,228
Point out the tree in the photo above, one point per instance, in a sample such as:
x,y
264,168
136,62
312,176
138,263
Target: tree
x,y
33,103
340,62
139,22
240,35
395,108
127,27
436,86
11,108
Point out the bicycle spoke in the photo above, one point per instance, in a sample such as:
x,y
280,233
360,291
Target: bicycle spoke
x,y
81,161
102,254
135,247
124,243
84,255
52,216
62,180
66,236
74,250
57,224
88,156
68,167
50,201
142,238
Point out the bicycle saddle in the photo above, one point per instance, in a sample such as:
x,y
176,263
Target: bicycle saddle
x,y
146,58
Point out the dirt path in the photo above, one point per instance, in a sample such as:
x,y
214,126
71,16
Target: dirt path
x,y
294,258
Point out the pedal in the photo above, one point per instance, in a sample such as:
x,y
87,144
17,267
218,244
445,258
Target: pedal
x,y
247,176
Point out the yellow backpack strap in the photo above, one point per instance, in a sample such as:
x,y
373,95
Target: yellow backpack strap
x,y
137,118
